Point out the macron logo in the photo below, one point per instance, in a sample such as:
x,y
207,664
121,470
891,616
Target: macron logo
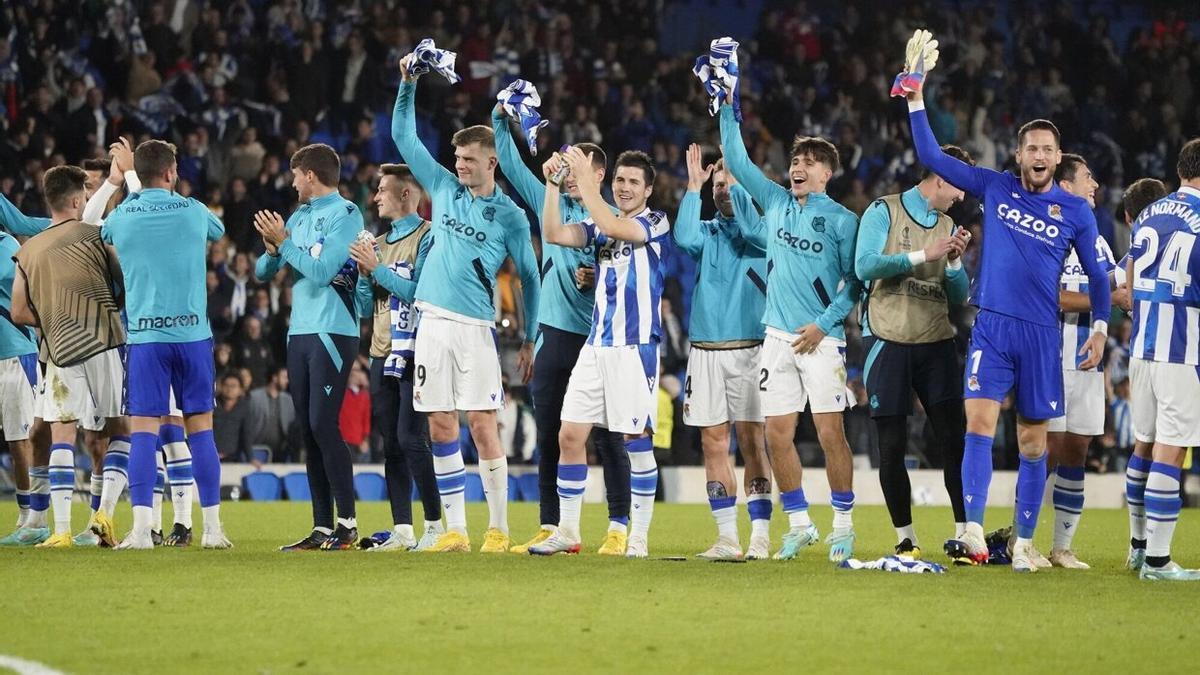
x,y
328,389
1027,514
1054,405
969,498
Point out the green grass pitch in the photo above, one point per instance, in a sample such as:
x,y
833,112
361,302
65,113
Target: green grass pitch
x,y
255,610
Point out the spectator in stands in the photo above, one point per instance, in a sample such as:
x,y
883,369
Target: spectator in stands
x,y
355,416
232,427
251,351
273,414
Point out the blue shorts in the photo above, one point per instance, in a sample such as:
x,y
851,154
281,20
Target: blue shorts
x,y
152,369
1009,354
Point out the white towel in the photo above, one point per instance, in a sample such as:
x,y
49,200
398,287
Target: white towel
x,y
427,57
893,563
718,72
521,100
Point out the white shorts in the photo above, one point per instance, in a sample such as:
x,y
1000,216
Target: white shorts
x,y
17,397
722,386
1165,398
615,388
787,380
1083,403
457,367
89,392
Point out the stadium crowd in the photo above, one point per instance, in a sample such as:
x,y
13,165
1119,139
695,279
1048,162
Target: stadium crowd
x,y
239,85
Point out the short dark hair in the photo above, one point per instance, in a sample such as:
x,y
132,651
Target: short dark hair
x,y
1069,166
320,159
101,164
955,152
1142,193
638,160
819,149
401,172
1188,165
152,158
1036,125
61,183
479,133
599,159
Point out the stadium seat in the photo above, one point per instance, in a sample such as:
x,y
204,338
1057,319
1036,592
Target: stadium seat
x,y
528,485
370,487
474,491
514,490
263,486
261,454
296,486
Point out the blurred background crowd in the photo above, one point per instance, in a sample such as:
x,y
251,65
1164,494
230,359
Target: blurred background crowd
x,y
239,85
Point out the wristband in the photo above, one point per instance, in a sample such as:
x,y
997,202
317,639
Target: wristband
x,y
916,257
1100,326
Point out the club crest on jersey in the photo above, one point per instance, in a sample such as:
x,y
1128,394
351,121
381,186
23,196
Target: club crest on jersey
x,y
1056,212
818,224
321,224
489,213
874,401
973,383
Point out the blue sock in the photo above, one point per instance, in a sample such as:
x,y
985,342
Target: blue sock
x,y
796,507
620,520
206,467
1031,484
142,468
23,499
977,475
1162,511
1136,473
179,471
843,507
451,477
39,488
759,507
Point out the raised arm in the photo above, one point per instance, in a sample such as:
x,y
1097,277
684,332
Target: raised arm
x,y
334,253
526,183
764,190
973,179
957,283
17,223
425,168
215,228
751,223
844,301
689,233
554,230
635,230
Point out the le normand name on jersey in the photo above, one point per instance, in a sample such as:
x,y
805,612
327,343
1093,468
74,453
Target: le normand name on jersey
x,y
1170,207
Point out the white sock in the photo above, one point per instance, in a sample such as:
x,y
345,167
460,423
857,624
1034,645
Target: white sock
x,y
1067,498
1022,540
451,479
644,483
799,519
906,532
160,485
959,529
179,460
348,523
404,532
116,474
572,478
724,511
843,509
435,524
39,489
22,508
323,530
62,486
212,517
616,526
97,488
759,506
1162,509
494,473
143,519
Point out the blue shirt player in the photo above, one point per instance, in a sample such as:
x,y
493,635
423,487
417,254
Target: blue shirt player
x,y
323,336
811,288
1029,226
565,319
18,378
1164,368
726,331
161,239
475,227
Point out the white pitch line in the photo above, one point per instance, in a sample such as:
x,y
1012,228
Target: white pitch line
x,y
23,667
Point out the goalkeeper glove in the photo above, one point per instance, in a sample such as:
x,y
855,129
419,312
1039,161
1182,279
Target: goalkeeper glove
x,y
920,56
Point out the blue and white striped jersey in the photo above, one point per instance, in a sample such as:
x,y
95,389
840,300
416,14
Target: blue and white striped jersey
x,y
629,283
1166,280
1077,326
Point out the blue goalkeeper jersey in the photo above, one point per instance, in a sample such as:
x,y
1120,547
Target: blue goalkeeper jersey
x,y
563,305
472,235
14,340
731,270
1026,237
161,241
810,246
1166,280
318,251
15,222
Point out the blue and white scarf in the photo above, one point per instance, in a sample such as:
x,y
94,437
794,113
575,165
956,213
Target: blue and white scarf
x,y
893,563
520,101
428,58
718,72
404,320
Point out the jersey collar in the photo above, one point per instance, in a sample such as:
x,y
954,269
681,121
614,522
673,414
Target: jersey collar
x,y
1189,190
325,200
918,207
403,227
